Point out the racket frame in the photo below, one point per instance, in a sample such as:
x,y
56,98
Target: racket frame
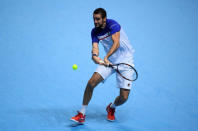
x,y
116,65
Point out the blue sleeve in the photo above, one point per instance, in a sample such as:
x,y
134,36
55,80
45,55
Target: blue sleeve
x,y
94,36
114,27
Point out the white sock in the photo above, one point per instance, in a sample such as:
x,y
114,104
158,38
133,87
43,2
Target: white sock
x,y
83,109
113,105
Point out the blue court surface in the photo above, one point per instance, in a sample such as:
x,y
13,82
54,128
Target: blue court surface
x,y
40,40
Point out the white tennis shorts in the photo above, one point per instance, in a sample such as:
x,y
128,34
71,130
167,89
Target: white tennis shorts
x,y
105,72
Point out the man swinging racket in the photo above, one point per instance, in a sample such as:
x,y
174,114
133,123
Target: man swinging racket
x,y
118,50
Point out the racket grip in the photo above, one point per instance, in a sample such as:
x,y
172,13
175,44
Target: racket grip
x,y
110,65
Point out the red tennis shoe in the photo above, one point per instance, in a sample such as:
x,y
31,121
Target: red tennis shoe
x,y
79,118
110,113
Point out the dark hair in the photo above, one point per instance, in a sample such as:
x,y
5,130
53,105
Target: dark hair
x,y
100,11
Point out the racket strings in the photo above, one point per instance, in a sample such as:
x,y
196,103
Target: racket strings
x,y
127,71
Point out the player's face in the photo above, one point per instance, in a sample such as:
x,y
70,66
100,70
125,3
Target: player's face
x,y
98,21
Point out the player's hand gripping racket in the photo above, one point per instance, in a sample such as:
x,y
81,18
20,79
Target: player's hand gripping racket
x,y
126,71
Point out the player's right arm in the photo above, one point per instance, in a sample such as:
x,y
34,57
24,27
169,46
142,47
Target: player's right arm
x,y
95,54
95,49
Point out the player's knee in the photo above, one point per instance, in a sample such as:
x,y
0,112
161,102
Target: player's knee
x,y
91,84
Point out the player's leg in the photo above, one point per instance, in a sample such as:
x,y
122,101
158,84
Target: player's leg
x,y
100,74
122,98
92,83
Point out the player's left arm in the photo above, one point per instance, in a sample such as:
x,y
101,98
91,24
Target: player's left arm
x,y
114,47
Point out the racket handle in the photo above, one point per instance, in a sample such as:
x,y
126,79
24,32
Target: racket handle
x,y
110,65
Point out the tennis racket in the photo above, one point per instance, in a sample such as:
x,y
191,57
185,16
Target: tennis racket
x,y
125,70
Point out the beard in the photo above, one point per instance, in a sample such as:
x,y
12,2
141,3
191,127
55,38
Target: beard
x,y
99,26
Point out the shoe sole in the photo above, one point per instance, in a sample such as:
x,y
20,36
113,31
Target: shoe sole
x,y
110,120
77,121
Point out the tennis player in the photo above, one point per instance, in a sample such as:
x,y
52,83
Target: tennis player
x,y
118,50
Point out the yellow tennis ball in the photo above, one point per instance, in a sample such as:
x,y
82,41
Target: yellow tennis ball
x,y
75,66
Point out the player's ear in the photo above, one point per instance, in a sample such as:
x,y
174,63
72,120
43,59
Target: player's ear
x,y
105,19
